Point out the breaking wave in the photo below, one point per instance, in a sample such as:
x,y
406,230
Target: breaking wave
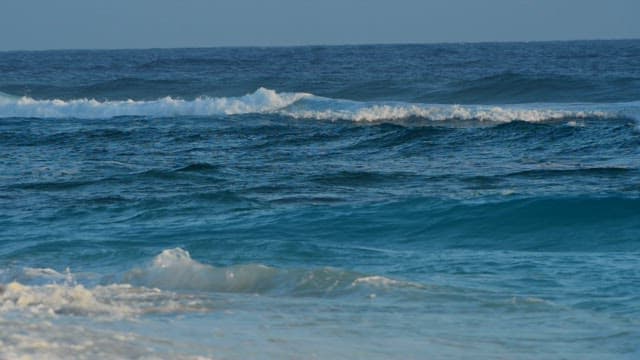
x,y
116,300
174,283
263,100
304,106
174,269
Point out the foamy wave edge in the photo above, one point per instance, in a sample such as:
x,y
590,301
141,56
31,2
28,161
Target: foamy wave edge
x,y
175,283
301,105
261,101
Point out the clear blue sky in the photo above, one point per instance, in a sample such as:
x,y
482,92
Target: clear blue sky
x,y
56,24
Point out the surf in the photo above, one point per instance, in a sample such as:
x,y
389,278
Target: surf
x,y
302,105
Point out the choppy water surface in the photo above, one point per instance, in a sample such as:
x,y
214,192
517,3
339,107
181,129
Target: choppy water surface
x,y
423,201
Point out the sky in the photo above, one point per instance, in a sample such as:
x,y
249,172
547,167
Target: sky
x,y
100,24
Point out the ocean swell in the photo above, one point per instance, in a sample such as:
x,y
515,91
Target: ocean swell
x,y
174,282
175,270
305,106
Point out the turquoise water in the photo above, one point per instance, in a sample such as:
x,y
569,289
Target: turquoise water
x,y
416,201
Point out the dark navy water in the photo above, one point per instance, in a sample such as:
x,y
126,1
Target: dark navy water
x,y
410,201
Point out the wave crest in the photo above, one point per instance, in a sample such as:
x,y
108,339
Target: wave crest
x,y
174,269
116,300
305,106
375,112
175,283
261,101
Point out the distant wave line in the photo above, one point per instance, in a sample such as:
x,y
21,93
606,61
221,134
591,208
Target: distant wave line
x,y
302,105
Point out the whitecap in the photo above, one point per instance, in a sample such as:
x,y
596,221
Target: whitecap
x,y
301,105
263,100
174,269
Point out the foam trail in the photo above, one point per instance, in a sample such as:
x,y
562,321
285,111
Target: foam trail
x,y
115,300
329,109
263,100
166,285
306,106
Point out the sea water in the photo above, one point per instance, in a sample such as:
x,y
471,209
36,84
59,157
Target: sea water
x,y
355,202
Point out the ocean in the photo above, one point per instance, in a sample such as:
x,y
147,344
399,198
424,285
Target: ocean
x,y
443,201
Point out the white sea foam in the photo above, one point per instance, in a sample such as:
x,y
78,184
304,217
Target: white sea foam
x,y
27,339
116,300
173,282
263,100
377,112
304,106
381,281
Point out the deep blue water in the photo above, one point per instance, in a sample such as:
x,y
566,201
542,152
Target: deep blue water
x,y
411,201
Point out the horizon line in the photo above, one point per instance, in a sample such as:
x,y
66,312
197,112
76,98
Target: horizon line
x,y
186,47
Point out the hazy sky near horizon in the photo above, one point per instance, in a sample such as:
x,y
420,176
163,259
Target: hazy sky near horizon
x,y
98,24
